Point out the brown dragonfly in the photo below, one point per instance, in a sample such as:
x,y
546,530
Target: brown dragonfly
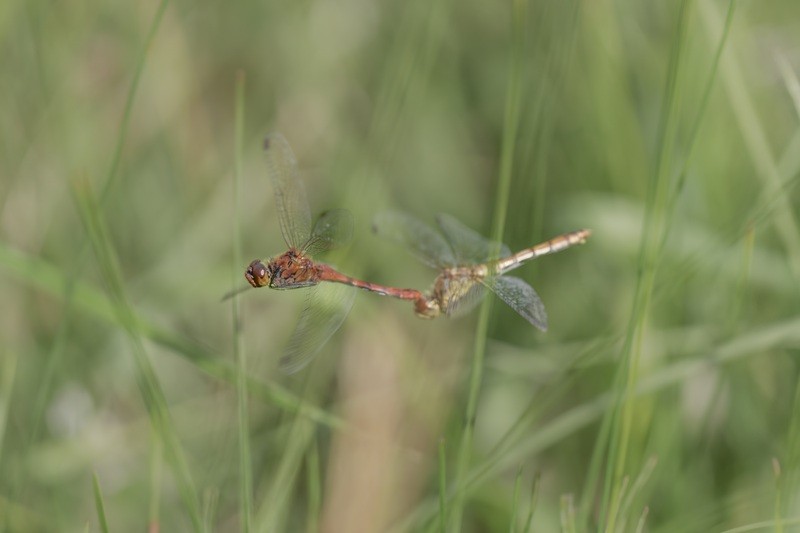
x,y
469,264
327,305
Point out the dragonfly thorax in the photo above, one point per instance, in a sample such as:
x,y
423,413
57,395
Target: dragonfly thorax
x,y
290,270
456,287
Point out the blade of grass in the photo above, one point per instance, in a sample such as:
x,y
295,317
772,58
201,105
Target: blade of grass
x,y
766,524
314,487
122,134
239,355
98,504
703,107
156,475
442,487
511,121
568,513
636,488
656,226
512,523
149,387
776,469
59,342
742,286
9,373
757,144
534,497
210,503
791,474
642,520
272,510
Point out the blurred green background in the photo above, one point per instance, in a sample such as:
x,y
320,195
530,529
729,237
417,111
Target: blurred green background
x,y
662,398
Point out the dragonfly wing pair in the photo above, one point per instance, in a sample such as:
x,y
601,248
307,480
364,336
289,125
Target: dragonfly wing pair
x,y
456,245
521,298
327,304
332,229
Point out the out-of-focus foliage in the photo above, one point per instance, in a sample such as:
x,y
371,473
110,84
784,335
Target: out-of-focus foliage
x,y
667,380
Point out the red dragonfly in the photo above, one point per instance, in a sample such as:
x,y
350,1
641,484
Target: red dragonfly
x,y
465,261
464,258
327,305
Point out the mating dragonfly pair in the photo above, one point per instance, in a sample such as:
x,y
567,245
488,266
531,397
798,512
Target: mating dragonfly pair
x,y
467,263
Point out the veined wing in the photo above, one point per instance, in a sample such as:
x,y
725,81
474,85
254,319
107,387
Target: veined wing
x,y
520,297
424,242
332,229
294,215
468,245
327,305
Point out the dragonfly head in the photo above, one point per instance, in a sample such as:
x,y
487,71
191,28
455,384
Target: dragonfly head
x,y
258,274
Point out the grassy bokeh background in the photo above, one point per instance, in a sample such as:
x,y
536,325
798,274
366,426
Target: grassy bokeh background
x,y
663,396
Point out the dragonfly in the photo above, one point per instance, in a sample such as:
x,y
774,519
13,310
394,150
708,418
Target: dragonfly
x,y
327,305
469,264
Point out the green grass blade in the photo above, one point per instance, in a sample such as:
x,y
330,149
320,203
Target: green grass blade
x,y
655,231
703,108
758,145
7,377
149,387
790,478
442,486
776,469
98,504
242,397
513,103
272,510
512,523
57,347
122,134
642,520
568,514
156,475
534,497
636,488
314,487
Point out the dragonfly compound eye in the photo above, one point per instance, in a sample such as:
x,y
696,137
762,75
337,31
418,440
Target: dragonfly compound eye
x,y
257,274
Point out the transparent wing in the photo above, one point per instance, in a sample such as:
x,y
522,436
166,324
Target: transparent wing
x,y
327,306
294,215
333,228
424,242
468,245
521,298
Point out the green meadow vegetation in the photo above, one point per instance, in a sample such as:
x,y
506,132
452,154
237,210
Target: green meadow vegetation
x,y
133,194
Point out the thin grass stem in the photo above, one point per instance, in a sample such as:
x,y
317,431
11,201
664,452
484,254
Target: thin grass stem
x,y
314,487
533,501
442,486
149,387
511,126
239,354
512,523
653,236
99,505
